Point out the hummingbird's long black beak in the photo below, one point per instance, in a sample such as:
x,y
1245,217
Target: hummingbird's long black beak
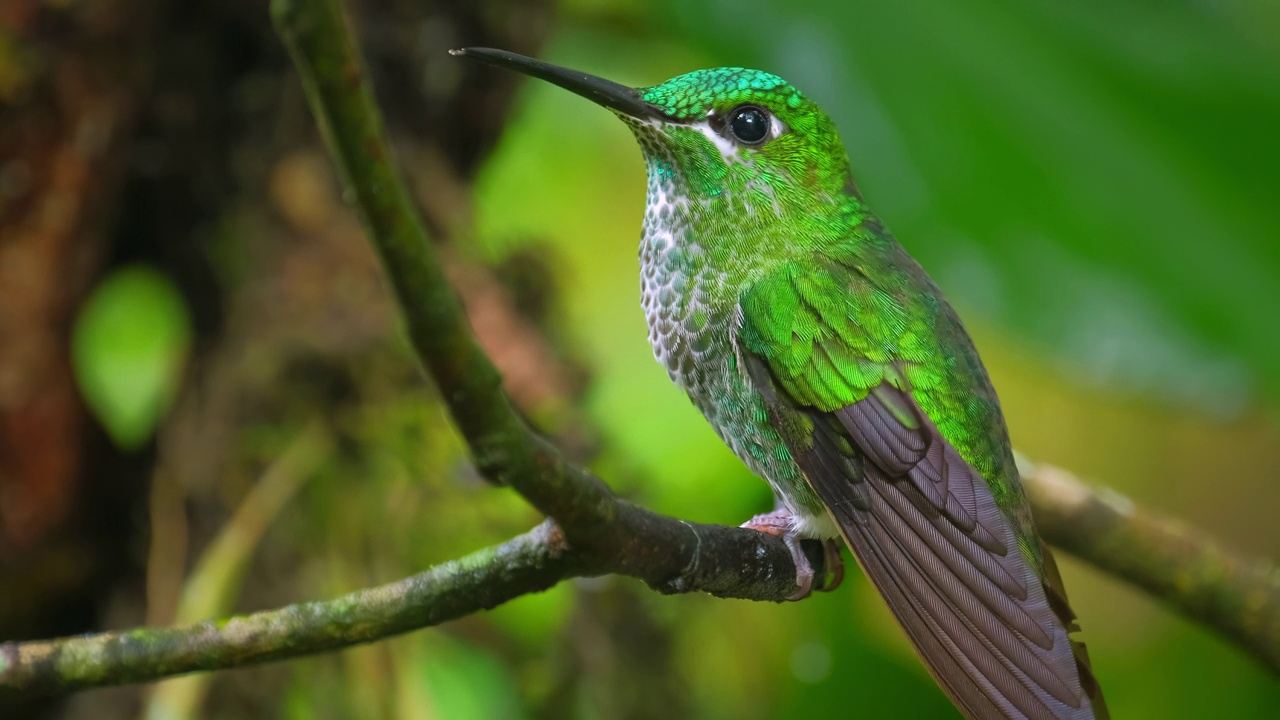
x,y
596,89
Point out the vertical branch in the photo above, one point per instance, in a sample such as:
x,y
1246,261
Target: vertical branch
x,y
504,448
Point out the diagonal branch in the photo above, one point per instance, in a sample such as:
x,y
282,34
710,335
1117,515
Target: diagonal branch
x,y
671,555
1238,597
529,563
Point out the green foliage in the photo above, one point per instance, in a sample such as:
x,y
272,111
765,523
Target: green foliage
x,y
128,348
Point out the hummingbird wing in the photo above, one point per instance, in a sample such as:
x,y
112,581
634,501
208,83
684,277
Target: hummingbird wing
x,y
834,356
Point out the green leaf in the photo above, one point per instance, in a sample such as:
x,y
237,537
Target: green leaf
x,y
128,348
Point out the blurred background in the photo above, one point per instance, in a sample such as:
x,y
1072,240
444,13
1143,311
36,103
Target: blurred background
x,y
207,404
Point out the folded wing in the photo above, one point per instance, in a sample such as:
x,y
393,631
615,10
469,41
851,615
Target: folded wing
x,y
970,592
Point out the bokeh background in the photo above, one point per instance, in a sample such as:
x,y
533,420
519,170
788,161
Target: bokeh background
x,y
207,406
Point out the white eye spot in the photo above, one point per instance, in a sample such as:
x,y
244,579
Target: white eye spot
x,y
776,127
728,148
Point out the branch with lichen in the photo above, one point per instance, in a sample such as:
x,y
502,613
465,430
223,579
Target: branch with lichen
x,y
591,532
1236,595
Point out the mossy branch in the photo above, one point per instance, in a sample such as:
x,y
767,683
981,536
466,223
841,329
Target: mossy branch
x,y
593,532
1236,595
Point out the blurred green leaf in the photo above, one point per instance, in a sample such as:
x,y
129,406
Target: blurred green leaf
x,y
127,348
466,683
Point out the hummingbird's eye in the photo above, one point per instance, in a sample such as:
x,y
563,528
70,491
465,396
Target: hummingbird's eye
x,y
749,124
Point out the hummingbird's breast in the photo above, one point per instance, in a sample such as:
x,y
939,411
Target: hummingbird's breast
x,y
691,306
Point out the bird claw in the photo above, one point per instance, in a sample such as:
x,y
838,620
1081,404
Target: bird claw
x,y
833,564
780,524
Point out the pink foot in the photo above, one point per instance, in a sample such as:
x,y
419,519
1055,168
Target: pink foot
x,y
779,524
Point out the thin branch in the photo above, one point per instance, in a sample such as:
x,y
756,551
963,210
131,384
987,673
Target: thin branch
x,y
729,562
1236,595
601,534
529,563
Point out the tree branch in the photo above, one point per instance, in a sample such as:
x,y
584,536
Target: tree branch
x,y
1237,596
529,563
503,447
729,562
601,534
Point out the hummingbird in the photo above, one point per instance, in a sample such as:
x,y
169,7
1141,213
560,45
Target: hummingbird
x,y
829,361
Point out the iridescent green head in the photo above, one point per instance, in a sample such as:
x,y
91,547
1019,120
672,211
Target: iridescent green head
x,y
718,131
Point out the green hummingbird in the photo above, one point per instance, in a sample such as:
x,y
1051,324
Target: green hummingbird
x,y
828,360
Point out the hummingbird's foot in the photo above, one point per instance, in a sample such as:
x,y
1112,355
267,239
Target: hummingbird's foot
x,y
779,524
